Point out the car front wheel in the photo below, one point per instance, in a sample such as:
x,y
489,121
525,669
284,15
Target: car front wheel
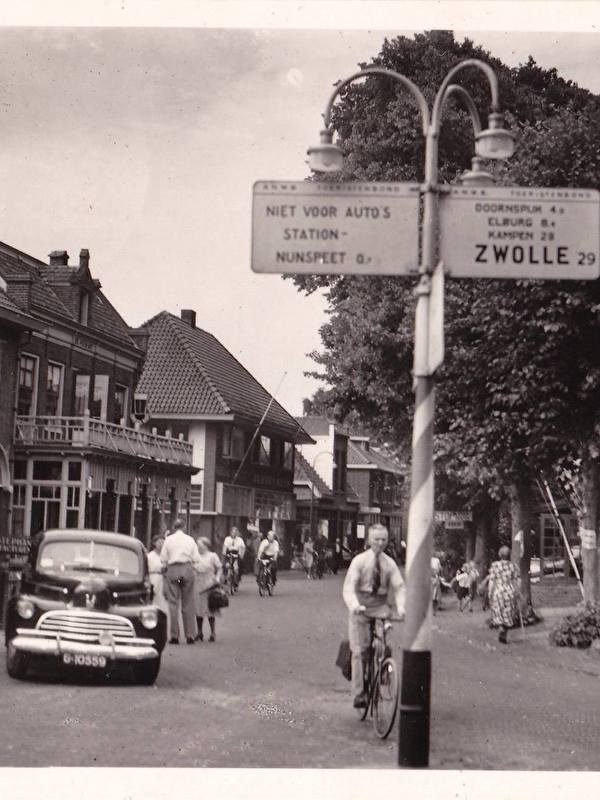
x,y
146,672
16,662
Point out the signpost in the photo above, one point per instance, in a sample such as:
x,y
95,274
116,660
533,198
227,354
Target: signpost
x,y
304,227
453,520
520,232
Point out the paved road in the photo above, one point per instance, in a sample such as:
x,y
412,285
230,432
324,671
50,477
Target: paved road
x,y
267,694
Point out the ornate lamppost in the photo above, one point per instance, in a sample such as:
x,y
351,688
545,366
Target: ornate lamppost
x,y
495,142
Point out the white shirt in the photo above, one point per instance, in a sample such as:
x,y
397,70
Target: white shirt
x,y
268,548
234,543
359,578
179,548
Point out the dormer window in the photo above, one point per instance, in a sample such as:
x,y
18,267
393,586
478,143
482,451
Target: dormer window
x,y
84,307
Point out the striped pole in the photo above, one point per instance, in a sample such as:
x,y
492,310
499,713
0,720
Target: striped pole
x,y
413,728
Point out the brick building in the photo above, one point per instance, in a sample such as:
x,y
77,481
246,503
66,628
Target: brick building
x,y
79,458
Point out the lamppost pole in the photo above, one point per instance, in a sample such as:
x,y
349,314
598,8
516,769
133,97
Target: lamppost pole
x,y
494,142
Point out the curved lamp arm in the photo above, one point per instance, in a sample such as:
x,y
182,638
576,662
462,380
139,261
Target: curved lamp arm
x,y
440,97
389,73
468,103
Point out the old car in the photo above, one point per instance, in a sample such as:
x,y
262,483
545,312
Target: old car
x,y
84,600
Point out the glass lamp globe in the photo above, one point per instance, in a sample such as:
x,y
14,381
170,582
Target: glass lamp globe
x,y
495,141
325,156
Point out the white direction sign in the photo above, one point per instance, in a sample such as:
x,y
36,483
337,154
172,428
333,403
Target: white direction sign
x,y
520,232
335,228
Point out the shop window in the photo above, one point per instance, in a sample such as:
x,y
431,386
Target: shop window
x,y
120,407
20,470
99,404
233,443
262,450
47,470
74,473
82,394
54,388
26,401
196,498
288,456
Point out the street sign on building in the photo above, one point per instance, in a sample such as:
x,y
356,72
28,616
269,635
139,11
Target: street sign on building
x,y
335,228
453,520
520,232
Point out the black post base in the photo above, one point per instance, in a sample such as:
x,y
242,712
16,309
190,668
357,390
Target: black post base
x,y
413,729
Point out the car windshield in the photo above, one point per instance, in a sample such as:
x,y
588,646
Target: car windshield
x,y
60,557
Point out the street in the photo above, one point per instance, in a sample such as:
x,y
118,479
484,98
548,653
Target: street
x,y
267,694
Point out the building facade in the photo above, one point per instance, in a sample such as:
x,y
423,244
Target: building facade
x,y
378,480
79,456
327,504
243,440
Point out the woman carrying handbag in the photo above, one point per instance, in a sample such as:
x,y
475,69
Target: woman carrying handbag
x,y
208,575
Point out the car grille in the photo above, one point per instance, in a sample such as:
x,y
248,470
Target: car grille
x,y
85,626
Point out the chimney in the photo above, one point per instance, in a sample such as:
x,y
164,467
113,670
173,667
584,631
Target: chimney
x,y
59,258
188,316
84,259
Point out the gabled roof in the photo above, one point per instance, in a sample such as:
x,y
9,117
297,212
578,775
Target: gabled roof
x,y
52,293
11,313
305,473
372,459
188,372
319,425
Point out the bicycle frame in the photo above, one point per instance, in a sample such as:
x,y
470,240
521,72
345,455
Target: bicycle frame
x,y
380,671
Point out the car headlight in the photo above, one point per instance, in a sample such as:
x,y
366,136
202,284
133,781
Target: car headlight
x,y
149,618
25,608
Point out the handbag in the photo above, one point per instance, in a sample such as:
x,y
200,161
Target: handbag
x,y
344,659
217,598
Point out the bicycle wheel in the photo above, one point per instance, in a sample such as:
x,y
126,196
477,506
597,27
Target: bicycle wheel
x,y
368,683
261,585
385,698
269,584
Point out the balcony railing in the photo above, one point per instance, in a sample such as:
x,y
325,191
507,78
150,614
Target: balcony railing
x,y
89,432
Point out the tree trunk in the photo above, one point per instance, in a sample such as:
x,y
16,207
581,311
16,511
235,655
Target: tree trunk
x,y
590,474
485,521
521,519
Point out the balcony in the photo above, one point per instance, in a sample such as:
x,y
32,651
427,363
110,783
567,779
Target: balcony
x,y
88,432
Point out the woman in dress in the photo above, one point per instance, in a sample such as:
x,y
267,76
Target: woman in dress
x,y
308,554
208,574
156,574
503,593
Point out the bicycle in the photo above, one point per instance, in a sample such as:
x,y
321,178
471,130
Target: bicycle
x,y
265,577
231,571
381,679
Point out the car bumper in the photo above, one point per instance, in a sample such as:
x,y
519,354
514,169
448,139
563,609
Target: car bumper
x,y
38,643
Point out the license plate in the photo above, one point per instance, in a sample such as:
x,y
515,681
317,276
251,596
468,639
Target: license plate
x,y
84,660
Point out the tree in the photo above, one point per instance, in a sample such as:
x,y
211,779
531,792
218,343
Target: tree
x,y
501,422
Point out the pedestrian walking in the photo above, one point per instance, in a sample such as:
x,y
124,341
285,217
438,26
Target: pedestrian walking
x,y
473,574
502,588
208,575
462,583
308,556
156,574
179,556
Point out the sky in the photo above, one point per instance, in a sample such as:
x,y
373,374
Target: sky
x,y
140,136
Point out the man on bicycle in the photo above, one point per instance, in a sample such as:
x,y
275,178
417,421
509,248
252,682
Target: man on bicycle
x,y
268,549
235,546
373,587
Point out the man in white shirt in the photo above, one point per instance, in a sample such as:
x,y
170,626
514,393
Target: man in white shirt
x,y
269,548
236,545
180,555
372,587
